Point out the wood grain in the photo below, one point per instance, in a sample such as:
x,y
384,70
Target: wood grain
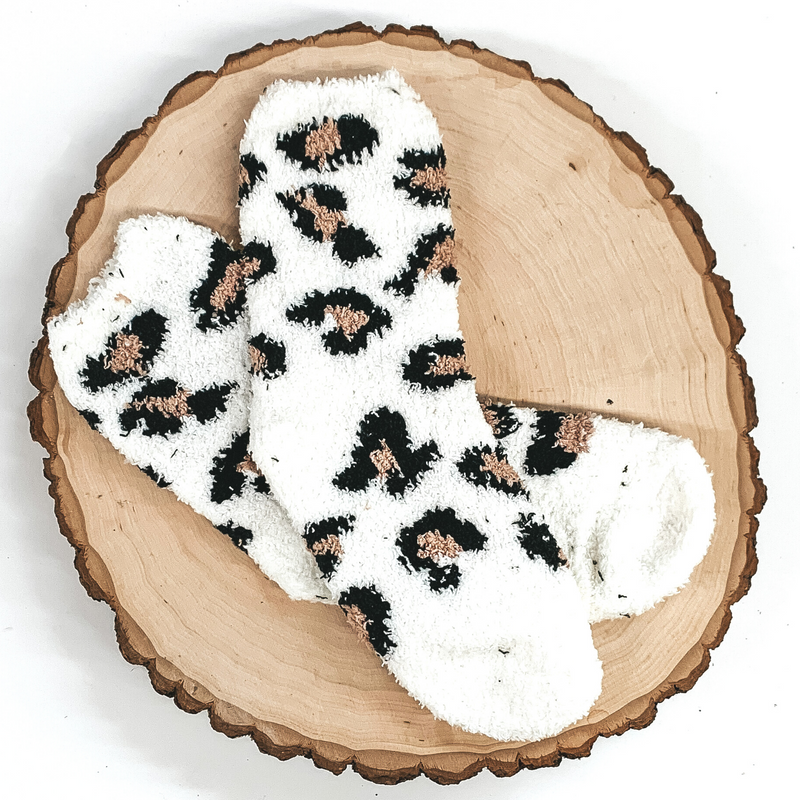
x,y
586,285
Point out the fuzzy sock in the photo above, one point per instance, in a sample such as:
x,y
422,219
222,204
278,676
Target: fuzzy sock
x,y
156,359
371,435
632,508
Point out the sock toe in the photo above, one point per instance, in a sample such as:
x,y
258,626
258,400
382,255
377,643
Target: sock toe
x,y
633,511
523,691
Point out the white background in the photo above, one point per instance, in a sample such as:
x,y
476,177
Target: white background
x,y
708,88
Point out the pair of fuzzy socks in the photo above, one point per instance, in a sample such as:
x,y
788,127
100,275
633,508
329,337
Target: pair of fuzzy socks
x,y
442,528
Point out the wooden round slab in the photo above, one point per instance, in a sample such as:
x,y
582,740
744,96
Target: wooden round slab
x,y
586,285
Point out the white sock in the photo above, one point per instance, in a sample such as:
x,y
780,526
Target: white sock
x,y
143,323
389,468
158,363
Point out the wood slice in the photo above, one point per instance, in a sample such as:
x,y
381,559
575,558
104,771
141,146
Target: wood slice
x,y
586,285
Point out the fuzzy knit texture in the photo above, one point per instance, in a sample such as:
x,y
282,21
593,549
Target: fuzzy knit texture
x,y
372,437
163,372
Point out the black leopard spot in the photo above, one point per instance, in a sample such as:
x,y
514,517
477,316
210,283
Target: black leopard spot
x,y
219,300
240,536
330,143
433,254
267,357
151,473
423,177
438,365
323,541
385,454
537,541
501,418
161,407
490,469
128,353
250,171
433,542
368,613
234,467
352,244
318,212
354,315
544,455
260,485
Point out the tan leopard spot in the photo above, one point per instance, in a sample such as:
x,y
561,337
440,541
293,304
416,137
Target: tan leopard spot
x,y
358,621
248,465
236,273
490,415
575,432
436,547
244,176
384,460
348,320
330,544
444,255
448,365
126,354
323,142
258,360
500,468
326,220
434,179
175,406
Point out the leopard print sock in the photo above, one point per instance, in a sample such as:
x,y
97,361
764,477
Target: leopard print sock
x,y
156,359
372,437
